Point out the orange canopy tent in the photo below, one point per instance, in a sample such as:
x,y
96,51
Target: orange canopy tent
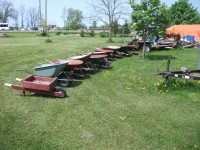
x,y
191,29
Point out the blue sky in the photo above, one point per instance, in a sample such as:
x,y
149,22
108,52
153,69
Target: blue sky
x,y
55,7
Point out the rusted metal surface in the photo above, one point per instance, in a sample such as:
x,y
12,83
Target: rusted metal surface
x,y
85,58
73,64
97,56
104,50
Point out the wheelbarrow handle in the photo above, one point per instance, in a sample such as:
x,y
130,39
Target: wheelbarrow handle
x,y
49,61
7,84
18,79
24,71
31,65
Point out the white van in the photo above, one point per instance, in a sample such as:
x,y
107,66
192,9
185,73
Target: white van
x,y
4,26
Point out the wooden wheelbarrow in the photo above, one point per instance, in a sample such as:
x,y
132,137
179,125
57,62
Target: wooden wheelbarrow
x,y
40,85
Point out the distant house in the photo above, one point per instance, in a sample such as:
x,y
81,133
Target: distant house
x,y
52,25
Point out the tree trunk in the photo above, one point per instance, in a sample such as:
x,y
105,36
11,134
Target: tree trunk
x,y
110,33
143,51
199,60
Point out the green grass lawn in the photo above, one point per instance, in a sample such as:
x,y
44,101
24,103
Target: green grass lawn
x,y
119,108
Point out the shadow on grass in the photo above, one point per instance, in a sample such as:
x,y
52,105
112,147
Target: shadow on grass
x,y
113,41
159,57
86,76
76,83
45,96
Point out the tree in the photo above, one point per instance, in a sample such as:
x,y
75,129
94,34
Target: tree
x,y
64,15
27,18
94,24
6,11
149,17
33,16
125,29
16,19
22,12
107,11
182,12
115,27
74,19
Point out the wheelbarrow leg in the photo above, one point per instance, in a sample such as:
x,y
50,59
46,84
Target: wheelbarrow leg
x,y
23,93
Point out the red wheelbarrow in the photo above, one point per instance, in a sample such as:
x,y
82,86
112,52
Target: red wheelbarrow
x,y
74,66
40,85
108,52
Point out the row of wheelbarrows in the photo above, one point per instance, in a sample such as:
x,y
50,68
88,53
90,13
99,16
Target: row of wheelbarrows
x,y
62,72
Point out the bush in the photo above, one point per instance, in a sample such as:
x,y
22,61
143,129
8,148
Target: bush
x,y
65,33
87,33
48,41
82,33
104,34
44,33
92,33
58,33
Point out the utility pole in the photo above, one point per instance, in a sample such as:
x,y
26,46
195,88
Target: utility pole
x,y
40,9
46,14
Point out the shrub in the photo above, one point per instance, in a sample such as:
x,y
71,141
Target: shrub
x,y
104,34
48,41
58,33
87,33
65,33
92,33
44,33
82,33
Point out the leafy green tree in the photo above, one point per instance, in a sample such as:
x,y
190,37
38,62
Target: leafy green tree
x,y
149,17
74,19
126,28
182,12
43,27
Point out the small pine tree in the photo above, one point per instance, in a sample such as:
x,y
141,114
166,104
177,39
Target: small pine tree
x,y
82,33
92,33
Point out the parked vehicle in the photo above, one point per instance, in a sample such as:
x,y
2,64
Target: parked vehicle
x,y
4,26
10,28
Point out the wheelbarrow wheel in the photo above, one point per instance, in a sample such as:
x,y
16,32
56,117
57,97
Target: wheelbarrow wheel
x,y
65,82
61,90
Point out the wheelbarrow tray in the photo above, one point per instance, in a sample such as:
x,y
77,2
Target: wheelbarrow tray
x,y
84,58
73,64
104,50
111,47
99,53
50,70
97,58
39,83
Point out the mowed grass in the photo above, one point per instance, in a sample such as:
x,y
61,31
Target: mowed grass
x,y
110,109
